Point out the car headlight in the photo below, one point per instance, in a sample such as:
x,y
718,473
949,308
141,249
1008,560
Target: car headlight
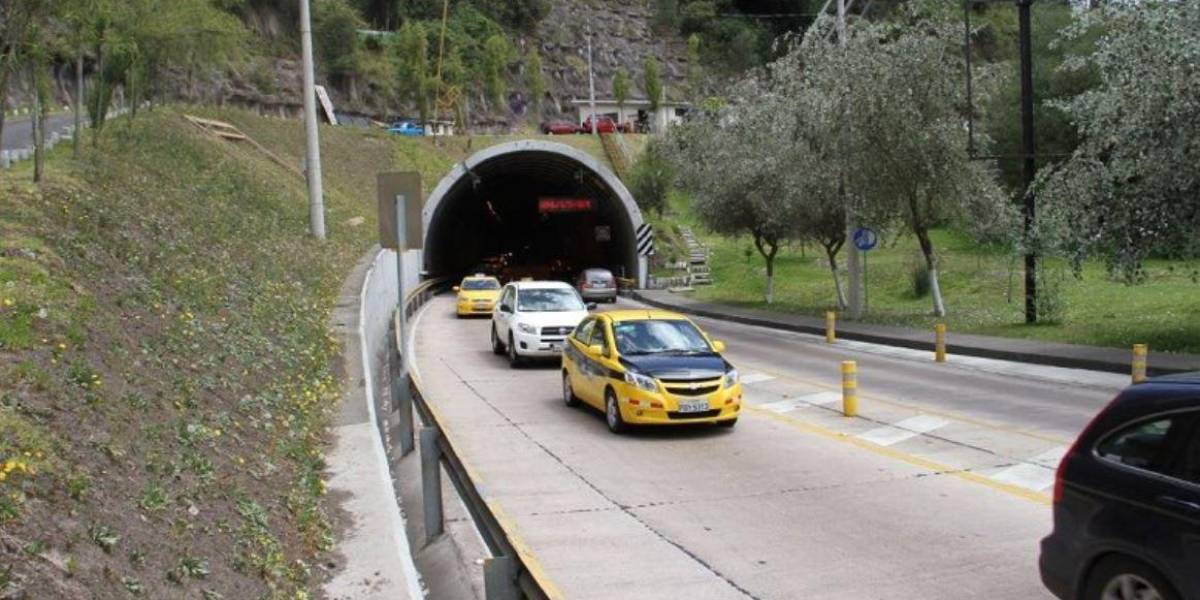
x,y
641,381
731,378
526,328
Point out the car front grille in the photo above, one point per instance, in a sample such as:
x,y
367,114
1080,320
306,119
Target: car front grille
x,y
699,390
708,414
560,331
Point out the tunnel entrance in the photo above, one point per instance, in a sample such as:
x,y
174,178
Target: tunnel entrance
x,y
531,209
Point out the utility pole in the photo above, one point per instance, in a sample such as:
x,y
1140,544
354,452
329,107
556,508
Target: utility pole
x,y
854,271
1027,152
592,84
312,162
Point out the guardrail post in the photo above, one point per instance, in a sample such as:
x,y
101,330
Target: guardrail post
x,y
1139,362
402,400
849,388
431,483
939,342
830,327
500,579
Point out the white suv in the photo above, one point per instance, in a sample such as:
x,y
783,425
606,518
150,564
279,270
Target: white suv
x,y
534,318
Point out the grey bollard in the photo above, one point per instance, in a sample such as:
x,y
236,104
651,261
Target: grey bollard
x,y
5,161
431,483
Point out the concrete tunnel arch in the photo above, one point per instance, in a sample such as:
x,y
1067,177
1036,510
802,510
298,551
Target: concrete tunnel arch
x,y
487,204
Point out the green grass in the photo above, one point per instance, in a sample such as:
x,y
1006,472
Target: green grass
x,y
983,291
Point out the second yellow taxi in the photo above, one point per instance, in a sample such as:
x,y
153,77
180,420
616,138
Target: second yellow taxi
x,y
649,367
477,295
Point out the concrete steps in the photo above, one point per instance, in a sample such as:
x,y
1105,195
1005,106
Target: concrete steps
x,y
697,263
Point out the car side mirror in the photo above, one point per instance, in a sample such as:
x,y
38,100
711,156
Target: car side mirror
x,y
505,308
454,289
718,346
591,306
596,349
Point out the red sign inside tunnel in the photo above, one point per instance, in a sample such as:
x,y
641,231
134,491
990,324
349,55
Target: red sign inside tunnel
x,y
564,205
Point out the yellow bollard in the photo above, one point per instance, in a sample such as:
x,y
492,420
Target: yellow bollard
x,y
939,342
830,327
849,388
1139,363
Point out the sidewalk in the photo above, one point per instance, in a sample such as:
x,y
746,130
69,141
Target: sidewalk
x,y
1116,360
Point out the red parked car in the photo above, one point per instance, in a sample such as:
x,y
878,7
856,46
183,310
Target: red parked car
x,y
604,125
559,128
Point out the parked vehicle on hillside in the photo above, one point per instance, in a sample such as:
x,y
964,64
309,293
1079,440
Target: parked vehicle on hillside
x,y
605,125
533,318
597,284
559,127
406,128
1127,500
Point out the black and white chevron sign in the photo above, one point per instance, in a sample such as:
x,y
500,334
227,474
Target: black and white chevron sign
x,y
645,240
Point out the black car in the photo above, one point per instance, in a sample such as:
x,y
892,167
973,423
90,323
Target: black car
x,y
1127,500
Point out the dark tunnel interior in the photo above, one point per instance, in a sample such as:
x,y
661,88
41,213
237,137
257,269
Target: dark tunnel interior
x,y
530,213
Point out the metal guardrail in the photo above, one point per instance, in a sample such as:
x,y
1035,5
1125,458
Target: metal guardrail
x,y
507,576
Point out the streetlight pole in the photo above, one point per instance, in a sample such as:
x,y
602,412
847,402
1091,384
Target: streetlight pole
x,y
854,270
312,162
1027,153
592,84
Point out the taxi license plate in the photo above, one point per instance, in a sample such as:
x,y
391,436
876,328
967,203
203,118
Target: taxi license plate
x,y
693,407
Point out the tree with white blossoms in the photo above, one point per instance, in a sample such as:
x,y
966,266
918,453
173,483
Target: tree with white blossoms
x,y
1132,187
895,110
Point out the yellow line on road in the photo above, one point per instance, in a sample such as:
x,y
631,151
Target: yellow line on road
x,y
912,459
526,553
920,409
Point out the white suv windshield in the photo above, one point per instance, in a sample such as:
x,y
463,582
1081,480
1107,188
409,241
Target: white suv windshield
x,y
548,300
655,336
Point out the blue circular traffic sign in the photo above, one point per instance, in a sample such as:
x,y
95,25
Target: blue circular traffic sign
x,y
865,238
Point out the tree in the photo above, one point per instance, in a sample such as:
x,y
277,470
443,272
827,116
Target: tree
x,y
18,18
620,86
535,81
1130,188
335,38
415,83
498,55
652,178
695,70
653,82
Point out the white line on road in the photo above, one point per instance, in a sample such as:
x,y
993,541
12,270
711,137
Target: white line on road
x,y
756,377
903,430
790,404
1037,474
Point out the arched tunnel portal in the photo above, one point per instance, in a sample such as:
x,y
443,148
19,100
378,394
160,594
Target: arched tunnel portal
x,y
531,209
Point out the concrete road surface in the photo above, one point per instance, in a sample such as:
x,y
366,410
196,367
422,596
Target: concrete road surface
x,y
18,131
938,489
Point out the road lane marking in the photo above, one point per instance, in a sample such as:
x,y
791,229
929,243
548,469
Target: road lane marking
x,y
790,404
1036,474
909,428
1013,490
756,377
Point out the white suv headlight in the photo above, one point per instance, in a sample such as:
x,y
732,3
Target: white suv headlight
x,y
731,378
526,328
641,381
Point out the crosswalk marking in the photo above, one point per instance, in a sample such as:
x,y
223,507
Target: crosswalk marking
x,y
755,377
1037,474
790,404
906,429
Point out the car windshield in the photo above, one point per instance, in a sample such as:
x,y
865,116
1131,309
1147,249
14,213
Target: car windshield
x,y
480,284
549,300
659,336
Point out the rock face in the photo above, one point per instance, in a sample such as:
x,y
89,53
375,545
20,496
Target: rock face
x,y
622,36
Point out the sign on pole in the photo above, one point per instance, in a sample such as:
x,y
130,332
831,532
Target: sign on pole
x,y
390,185
865,238
645,240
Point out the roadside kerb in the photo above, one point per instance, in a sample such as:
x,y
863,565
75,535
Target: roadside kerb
x,y
1112,360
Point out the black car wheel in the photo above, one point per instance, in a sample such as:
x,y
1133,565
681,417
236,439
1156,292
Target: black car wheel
x,y
514,359
497,346
1120,578
612,413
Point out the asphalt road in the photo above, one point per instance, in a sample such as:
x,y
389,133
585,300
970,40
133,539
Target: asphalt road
x,y
18,131
937,490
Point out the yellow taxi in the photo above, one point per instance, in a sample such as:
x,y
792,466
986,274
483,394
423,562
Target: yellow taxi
x,y
649,367
477,295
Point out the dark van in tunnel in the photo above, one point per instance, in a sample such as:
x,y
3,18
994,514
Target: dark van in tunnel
x,y
1127,500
